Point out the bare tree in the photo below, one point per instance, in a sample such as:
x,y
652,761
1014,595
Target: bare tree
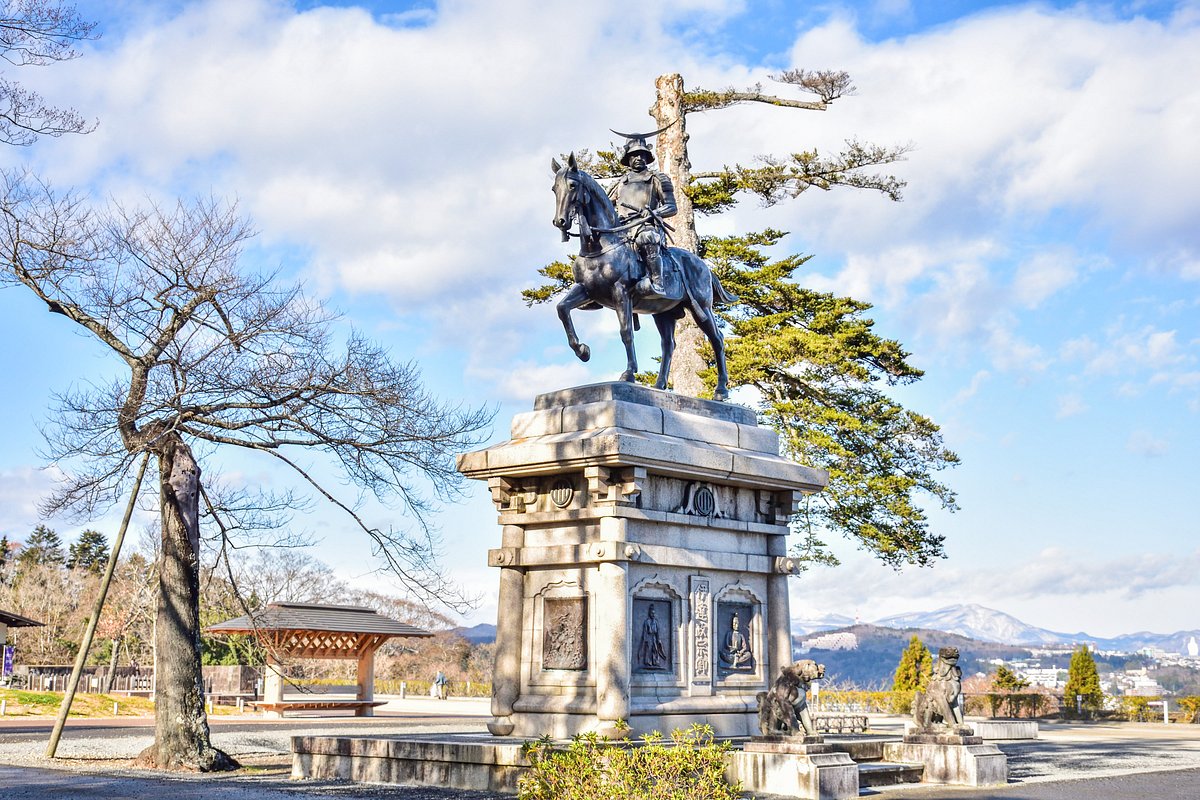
x,y
36,33
216,354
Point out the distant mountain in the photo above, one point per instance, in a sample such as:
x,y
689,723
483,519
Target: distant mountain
x,y
977,622
829,622
866,655
990,625
478,634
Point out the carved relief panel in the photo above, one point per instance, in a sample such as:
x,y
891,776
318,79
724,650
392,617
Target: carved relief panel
x,y
564,633
737,626
654,629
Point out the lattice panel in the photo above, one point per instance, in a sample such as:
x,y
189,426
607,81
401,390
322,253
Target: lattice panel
x,y
322,644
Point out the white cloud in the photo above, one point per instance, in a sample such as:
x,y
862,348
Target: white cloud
x,y
971,389
1144,443
1070,405
1043,276
20,491
1054,573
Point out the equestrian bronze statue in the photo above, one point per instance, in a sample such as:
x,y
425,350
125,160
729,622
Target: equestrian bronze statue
x,y
608,272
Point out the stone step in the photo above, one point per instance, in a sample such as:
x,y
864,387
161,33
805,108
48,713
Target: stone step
x,y
883,773
867,748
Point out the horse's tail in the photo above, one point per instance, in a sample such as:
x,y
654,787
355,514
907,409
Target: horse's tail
x,y
721,296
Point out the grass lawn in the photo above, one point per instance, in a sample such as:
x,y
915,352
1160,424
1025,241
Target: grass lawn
x,y
45,704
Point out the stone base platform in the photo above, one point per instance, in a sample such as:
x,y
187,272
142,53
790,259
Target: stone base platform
x,y
967,764
477,762
815,771
1002,729
480,762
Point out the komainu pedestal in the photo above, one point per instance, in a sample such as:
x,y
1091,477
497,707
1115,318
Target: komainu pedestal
x,y
643,566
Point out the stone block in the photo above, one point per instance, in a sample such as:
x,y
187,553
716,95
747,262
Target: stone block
x,y
963,764
820,776
628,416
1001,729
644,395
536,423
700,429
758,439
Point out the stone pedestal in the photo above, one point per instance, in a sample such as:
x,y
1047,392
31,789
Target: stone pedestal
x,y
794,766
952,755
643,566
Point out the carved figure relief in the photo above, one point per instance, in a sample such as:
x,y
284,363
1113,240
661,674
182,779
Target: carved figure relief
x,y
564,633
736,651
655,633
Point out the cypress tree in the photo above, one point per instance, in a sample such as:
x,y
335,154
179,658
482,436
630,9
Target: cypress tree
x,y
1083,682
912,674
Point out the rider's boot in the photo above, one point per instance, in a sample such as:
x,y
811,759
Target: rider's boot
x,y
654,285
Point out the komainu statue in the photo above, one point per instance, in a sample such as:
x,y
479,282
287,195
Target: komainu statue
x,y
783,711
942,701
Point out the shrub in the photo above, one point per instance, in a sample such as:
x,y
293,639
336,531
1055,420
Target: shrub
x,y
689,766
1137,709
1190,706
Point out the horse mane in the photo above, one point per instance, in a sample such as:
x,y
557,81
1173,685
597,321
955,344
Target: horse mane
x,y
597,195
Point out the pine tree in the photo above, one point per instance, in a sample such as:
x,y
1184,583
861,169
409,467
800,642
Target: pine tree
x,y
89,553
912,674
43,546
1082,692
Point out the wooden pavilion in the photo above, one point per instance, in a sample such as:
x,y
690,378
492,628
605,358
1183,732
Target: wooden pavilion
x,y
308,630
10,620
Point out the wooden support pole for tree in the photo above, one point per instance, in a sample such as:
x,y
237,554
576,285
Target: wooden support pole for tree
x,y
85,645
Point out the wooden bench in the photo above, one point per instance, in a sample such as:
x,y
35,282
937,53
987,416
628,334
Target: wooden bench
x,y
361,708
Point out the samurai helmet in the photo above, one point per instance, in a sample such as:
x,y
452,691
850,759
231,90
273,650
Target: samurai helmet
x,y
636,143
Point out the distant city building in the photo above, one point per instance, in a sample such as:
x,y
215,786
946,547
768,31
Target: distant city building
x,y
1050,678
831,641
1193,647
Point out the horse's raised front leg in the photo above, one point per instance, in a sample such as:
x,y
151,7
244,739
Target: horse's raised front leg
x,y
625,320
666,333
574,298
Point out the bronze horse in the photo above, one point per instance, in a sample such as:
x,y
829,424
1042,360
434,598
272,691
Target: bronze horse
x,y
607,270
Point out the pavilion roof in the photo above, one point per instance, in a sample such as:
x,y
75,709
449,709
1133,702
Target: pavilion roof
x,y
321,618
17,621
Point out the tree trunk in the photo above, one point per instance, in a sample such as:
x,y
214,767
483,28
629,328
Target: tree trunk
x,y
671,151
181,738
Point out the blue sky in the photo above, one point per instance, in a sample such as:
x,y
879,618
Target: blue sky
x,y
1043,267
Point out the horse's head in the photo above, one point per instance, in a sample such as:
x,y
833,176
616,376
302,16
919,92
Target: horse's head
x,y
566,194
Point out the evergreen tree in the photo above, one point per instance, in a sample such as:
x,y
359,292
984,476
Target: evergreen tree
x,y
1082,692
4,545
89,553
912,674
1007,680
43,546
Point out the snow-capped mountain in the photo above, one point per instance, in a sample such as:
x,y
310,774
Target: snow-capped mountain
x,y
978,622
990,625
